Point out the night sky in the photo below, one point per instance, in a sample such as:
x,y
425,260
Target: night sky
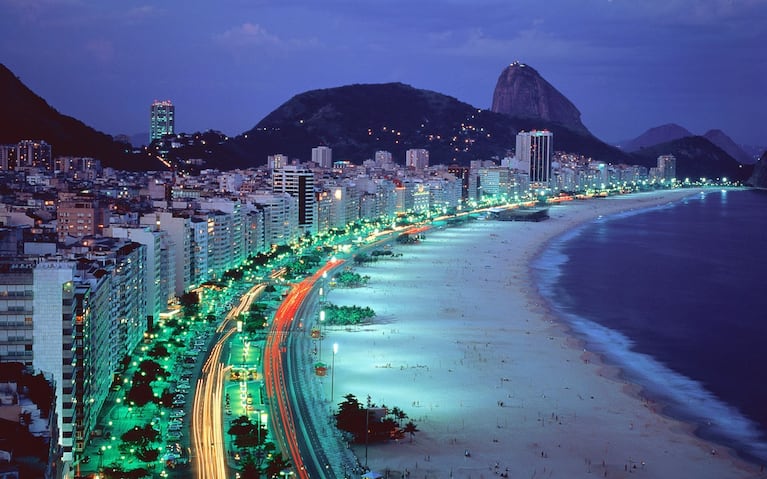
x,y
628,65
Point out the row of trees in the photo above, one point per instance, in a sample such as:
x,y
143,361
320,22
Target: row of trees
x,y
258,456
370,423
362,258
141,392
347,315
350,279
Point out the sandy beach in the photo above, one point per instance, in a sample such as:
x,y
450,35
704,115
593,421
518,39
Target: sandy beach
x,y
497,387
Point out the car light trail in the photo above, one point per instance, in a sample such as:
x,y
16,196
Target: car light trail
x,y
274,369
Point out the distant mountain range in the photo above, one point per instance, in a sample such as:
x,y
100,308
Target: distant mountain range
x,y
655,136
669,132
357,120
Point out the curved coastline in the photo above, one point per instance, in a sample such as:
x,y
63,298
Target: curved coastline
x,y
523,381
672,394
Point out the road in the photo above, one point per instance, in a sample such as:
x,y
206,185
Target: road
x,y
291,426
207,429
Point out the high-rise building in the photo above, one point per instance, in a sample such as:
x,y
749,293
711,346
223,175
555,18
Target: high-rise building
x,y
162,119
178,226
322,156
534,152
298,182
417,158
280,217
667,167
462,174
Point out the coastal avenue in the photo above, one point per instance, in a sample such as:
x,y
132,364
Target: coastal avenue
x,y
283,415
207,430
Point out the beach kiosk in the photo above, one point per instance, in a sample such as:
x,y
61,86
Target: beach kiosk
x,y
320,369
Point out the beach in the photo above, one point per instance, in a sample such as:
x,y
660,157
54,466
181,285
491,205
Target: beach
x,y
495,383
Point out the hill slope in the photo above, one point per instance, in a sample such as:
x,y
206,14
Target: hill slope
x,y
759,176
655,136
357,120
27,116
696,157
720,139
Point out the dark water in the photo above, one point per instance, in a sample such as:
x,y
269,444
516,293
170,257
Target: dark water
x,y
676,296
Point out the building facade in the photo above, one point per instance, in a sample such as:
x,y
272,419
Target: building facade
x,y
298,182
161,119
417,158
323,157
534,150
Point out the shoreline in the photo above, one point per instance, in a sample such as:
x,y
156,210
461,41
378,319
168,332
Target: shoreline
x,y
537,427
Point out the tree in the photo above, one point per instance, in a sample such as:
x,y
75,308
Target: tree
x,y
159,350
140,435
246,433
398,414
140,394
40,392
190,302
149,370
141,439
249,467
410,428
277,465
360,421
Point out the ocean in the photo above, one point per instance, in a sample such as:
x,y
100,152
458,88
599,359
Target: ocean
x,y
675,297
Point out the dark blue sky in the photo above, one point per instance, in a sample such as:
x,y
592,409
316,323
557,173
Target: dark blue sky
x,y
628,65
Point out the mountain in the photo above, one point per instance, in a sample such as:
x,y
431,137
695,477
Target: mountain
x,y
754,152
720,139
696,157
357,120
26,116
655,136
759,176
521,92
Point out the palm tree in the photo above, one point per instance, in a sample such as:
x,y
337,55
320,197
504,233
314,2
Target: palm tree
x,y
411,428
399,414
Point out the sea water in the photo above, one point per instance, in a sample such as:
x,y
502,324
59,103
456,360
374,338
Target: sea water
x,y
676,297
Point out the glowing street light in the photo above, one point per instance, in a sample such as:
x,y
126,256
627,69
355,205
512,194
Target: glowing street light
x,y
322,320
333,371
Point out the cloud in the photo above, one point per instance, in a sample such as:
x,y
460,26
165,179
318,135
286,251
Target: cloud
x,y
250,35
139,13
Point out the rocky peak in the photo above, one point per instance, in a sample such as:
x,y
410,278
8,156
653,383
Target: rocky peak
x,y
523,93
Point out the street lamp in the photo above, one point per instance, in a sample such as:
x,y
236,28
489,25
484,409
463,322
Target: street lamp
x,y
322,320
333,371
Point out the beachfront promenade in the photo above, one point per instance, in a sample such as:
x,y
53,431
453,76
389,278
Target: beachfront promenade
x,y
463,344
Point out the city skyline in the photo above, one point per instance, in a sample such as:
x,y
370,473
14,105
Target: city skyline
x,y
627,67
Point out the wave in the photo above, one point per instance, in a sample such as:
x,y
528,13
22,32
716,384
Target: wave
x,y
681,397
